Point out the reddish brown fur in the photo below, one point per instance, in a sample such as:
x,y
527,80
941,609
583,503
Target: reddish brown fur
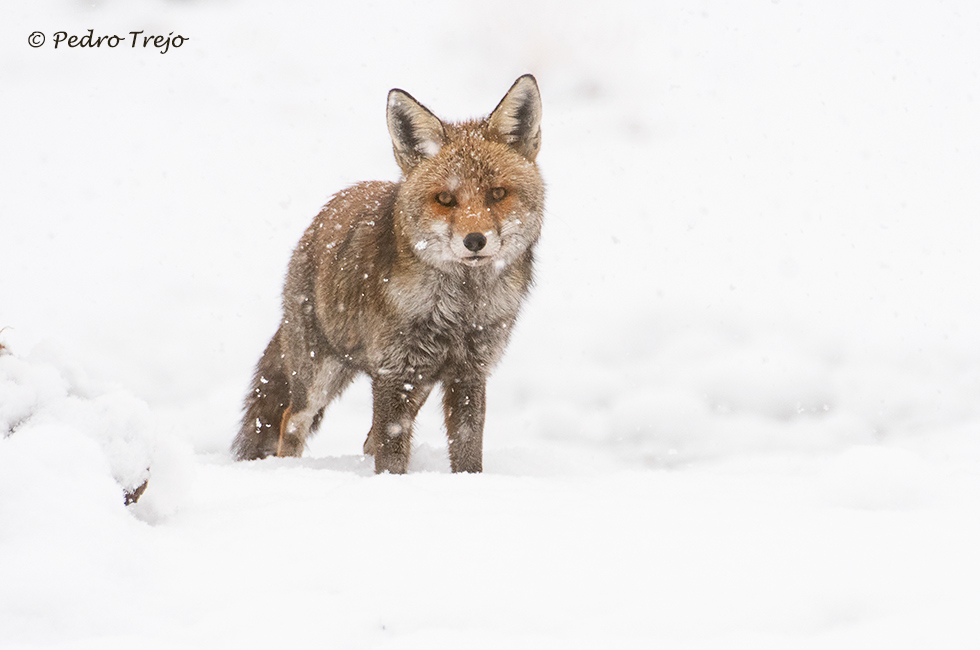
x,y
385,282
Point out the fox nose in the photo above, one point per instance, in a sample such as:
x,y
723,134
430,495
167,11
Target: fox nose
x,y
475,241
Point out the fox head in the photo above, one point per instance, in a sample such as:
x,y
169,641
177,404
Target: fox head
x,y
471,193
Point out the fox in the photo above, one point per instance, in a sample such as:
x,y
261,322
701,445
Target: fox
x,y
413,283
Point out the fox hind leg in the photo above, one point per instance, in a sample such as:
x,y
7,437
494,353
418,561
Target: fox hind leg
x,y
307,401
282,408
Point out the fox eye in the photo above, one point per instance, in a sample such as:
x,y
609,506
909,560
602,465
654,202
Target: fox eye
x,y
446,199
498,193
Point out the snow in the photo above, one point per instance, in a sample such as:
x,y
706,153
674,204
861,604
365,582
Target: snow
x,y
739,410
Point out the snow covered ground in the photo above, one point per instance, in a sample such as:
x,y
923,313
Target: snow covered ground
x,y
741,409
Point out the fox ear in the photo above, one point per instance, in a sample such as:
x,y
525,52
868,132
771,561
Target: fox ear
x,y
517,119
415,132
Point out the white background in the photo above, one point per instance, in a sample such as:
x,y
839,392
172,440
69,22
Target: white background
x,y
741,407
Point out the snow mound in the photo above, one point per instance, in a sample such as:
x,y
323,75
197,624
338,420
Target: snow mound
x,y
57,424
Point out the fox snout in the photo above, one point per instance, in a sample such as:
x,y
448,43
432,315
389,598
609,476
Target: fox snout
x,y
476,248
474,242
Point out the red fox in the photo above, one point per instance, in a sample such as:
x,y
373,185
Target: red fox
x,y
413,283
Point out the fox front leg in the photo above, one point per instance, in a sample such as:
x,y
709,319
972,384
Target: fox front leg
x,y
465,405
396,403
